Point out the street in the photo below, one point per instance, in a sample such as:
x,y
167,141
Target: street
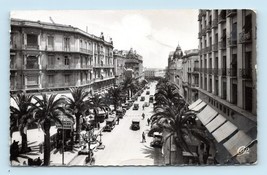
x,y
123,146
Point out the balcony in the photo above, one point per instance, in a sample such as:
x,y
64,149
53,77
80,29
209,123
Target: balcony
x,y
222,71
196,69
230,13
222,17
245,37
222,45
214,23
62,67
32,47
13,66
208,49
203,32
232,72
231,42
31,66
199,35
101,53
215,71
86,51
209,70
86,66
245,73
215,47
208,28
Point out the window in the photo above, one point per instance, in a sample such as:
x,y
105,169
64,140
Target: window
x,y
32,40
50,40
67,79
50,79
66,44
32,80
67,61
51,60
32,62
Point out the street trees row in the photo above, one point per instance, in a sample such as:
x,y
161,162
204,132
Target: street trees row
x,y
47,110
173,117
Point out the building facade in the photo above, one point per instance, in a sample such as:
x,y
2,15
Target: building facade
x,y
228,81
149,73
175,69
191,75
49,57
119,63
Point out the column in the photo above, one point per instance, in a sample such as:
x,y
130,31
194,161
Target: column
x,y
228,59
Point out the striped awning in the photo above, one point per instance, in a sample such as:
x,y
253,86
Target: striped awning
x,y
215,123
224,131
194,104
206,115
199,106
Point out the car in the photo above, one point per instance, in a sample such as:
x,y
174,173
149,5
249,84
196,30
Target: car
x,y
142,98
147,92
110,124
151,99
135,124
157,140
136,106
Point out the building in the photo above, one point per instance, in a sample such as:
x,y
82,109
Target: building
x,y
50,57
150,73
134,62
190,75
119,62
175,69
228,81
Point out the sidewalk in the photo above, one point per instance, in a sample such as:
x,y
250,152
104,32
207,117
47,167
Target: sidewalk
x,y
36,136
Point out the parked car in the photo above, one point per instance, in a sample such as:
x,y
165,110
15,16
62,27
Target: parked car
x,y
136,106
147,92
151,99
157,140
135,124
110,124
120,112
142,98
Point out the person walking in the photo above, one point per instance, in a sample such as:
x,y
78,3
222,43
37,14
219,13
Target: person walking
x,y
143,116
148,121
143,137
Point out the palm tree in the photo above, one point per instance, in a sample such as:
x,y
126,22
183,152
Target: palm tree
x,y
48,111
130,86
115,95
21,117
174,117
77,105
97,103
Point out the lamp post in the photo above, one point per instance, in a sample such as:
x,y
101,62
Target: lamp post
x,y
62,141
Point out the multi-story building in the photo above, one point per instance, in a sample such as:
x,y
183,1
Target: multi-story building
x,y
149,73
227,40
190,75
175,69
134,62
119,62
49,56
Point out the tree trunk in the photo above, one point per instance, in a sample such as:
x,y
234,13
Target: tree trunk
x,y
78,127
178,156
24,144
47,146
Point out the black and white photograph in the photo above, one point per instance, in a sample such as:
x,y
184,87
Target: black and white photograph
x,y
96,88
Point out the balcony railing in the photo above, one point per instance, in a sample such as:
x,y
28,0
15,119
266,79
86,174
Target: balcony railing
x,y
221,18
215,71
208,49
209,70
230,13
208,28
245,73
203,32
214,23
62,67
231,42
196,69
222,45
245,37
86,66
232,72
86,51
101,52
222,71
199,35
31,66
215,47
35,47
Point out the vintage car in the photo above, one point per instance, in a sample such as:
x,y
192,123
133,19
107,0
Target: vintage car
x,y
157,140
136,106
120,112
151,99
135,124
142,98
147,92
110,124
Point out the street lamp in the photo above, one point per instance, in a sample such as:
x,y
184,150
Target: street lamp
x,y
63,141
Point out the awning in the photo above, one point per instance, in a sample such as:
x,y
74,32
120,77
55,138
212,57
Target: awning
x,y
215,123
199,106
240,139
206,115
224,131
194,104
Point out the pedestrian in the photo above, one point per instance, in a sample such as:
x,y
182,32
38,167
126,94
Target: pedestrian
x,y
148,121
143,116
143,137
143,107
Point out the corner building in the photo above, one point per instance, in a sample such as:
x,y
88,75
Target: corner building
x,y
54,57
228,81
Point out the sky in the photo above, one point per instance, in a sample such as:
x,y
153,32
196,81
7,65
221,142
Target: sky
x,y
152,33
